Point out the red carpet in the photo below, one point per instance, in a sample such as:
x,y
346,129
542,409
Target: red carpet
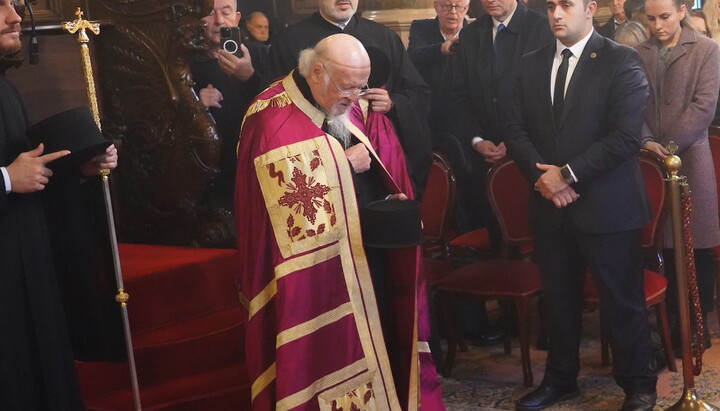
x,y
187,332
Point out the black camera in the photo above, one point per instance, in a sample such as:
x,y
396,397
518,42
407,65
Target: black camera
x,y
230,40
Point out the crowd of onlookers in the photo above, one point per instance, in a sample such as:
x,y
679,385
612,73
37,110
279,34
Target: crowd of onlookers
x,y
472,72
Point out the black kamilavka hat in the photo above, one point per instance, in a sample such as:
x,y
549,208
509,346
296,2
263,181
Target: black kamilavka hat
x,y
73,130
391,224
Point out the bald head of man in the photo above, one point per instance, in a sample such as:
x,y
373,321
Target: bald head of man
x,y
337,70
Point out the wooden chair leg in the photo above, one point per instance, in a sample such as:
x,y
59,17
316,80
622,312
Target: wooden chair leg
x,y
448,315
662,319
507,324
523,314
604,343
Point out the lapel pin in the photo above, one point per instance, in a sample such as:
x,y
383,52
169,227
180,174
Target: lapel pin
x,y
593,55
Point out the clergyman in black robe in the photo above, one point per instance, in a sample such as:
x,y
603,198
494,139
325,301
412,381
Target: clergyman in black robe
x,y
36,357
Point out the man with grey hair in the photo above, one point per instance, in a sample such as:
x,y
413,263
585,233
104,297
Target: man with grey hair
x,y
399,92
258,27
315,332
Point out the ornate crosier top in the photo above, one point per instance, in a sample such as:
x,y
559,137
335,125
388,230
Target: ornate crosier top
x,y
80,24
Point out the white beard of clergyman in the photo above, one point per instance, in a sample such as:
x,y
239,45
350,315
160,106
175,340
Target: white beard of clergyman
x,y
337,128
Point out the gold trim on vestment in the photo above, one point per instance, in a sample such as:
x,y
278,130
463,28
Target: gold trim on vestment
x,y
316,115
278,100
311,326
278,103
244,301
360,288
288,267
300,195
322,384
366,141
261,382
327,398
414,387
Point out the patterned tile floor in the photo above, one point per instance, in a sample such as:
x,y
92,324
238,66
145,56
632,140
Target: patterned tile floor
x,y
485,379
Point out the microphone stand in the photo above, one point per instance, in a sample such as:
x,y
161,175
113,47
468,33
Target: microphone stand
x,y
33,46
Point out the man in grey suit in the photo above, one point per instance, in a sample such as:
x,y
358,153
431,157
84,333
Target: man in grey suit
x,y
575,132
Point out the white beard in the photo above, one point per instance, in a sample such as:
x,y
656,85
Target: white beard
x,y
337,128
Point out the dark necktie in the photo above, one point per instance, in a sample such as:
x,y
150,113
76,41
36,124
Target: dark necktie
x,y
500,28
498,48
559,95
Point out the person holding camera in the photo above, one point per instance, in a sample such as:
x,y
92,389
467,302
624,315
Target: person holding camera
x,y
227,77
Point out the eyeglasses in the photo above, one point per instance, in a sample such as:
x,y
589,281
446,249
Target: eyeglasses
x,y
353,93
449,7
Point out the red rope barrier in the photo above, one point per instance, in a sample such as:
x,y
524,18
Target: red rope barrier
x,y
691,277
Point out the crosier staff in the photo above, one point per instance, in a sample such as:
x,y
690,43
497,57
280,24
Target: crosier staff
x,y
79,26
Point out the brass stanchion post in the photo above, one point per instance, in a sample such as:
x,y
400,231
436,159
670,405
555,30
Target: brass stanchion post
x,y
690,400
79,26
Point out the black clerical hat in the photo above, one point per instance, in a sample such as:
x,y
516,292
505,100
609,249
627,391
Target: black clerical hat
x,y
73,130
380,67
391,224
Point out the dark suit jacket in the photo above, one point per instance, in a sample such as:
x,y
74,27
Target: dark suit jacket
x,y
482,81
434,67
599,136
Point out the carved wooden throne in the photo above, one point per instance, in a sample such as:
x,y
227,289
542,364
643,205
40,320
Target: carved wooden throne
x,y
169,149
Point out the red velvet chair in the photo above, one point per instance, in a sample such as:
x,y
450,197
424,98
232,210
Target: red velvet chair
x,y
436,210
714,132
654,284
516,281
437,206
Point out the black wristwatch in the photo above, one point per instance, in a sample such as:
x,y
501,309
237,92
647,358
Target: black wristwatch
x,y
566,174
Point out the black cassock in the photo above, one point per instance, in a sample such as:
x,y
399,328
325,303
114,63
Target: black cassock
x,y
408,91
36,355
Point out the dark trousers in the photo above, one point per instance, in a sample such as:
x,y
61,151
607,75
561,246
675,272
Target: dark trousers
x,y
472,210
705,270
615,261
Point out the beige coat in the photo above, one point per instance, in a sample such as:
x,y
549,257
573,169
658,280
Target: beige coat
x,y
687,98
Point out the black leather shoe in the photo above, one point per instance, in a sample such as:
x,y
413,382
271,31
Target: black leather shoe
x,y
641,401
544,396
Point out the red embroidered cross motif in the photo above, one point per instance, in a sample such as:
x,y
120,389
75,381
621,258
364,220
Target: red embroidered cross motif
x,y
305,195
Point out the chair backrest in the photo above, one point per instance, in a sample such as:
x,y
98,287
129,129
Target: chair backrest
x,y
714,133
438,202
654,175
508,192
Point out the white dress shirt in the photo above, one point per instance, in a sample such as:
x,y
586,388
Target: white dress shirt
x,y
576,51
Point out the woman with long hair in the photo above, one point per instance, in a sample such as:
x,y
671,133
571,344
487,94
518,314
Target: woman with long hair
x,y
683,71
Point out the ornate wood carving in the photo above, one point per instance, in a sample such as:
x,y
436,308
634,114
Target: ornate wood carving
x,y
169,150
52,12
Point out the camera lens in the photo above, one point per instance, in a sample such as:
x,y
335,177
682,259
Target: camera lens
x,y
230,46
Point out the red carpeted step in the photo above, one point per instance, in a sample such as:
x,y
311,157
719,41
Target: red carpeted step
x,y
191,356
169,285
188,334
217,390
190,348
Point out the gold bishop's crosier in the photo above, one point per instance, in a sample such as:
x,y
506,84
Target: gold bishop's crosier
x,y
80,26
